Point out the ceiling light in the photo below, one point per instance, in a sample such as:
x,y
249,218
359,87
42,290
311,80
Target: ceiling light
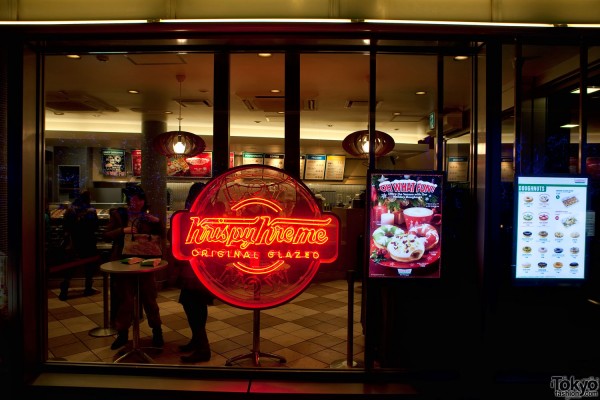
x,y
133,91
357,144
264,55
74,56
461,58
275,90
569,126
420,93
589,89
178,143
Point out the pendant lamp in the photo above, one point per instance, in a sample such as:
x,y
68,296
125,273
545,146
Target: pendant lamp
x,y
357,144
178,143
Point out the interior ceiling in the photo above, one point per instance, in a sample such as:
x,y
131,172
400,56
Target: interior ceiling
x,y
87,99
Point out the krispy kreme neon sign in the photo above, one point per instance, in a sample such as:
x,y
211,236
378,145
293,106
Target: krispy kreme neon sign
x,y
256,251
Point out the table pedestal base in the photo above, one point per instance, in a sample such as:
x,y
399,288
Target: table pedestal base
x,y
256,354
142,355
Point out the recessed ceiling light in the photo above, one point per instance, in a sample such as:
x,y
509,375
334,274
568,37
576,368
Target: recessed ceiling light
x,y
74,56
275,90
589,89
569,126
367,41
461,58
420,93
396,113
264,55
133,91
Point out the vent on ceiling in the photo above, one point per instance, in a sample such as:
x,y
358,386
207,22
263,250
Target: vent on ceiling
x,y
359,104
406,118
194,102
274,117
76,102
156,59
273,104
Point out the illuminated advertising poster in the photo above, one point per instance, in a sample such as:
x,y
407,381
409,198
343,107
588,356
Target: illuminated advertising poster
x,y
113,162
405,224
550,227
199,166
136,162
255,236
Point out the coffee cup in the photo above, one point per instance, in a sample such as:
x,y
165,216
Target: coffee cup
x,y
414,216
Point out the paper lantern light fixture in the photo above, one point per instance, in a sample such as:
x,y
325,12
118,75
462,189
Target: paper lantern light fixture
x,y
357,144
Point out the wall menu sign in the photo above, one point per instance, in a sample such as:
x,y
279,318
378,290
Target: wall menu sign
x,y
334,169
274,160
458,169
252,158
404,212
113,162
314,166
550,227
255,236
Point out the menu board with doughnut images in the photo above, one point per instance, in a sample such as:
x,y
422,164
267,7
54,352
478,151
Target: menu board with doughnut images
x,y
405,224
550,222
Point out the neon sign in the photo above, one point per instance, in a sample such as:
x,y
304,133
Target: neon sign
x,y
255,237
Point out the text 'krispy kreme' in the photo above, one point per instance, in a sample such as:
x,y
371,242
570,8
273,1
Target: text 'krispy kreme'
x,y
261,230
255,236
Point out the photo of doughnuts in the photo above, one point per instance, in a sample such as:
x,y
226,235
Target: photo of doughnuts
x,y
551,220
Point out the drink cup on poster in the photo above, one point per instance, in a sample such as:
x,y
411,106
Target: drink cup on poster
x,y
377,212
420,215
387,218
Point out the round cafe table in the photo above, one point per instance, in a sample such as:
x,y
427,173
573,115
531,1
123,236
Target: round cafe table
x,y
117,267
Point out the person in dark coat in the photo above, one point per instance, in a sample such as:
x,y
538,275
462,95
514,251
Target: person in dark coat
x,y
80,222
194,298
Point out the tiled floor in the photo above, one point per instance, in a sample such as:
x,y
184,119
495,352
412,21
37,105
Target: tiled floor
x,y
310,331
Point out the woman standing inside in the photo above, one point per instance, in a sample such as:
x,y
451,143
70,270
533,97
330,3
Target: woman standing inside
x,y
194,298
133,219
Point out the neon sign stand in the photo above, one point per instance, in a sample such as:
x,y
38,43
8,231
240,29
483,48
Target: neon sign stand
x,y
255,237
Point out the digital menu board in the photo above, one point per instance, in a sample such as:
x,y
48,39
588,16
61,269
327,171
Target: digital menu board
x,y
550,227
405,224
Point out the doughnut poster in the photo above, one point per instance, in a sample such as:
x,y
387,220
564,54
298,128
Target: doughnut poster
x,y
550,227
405,224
